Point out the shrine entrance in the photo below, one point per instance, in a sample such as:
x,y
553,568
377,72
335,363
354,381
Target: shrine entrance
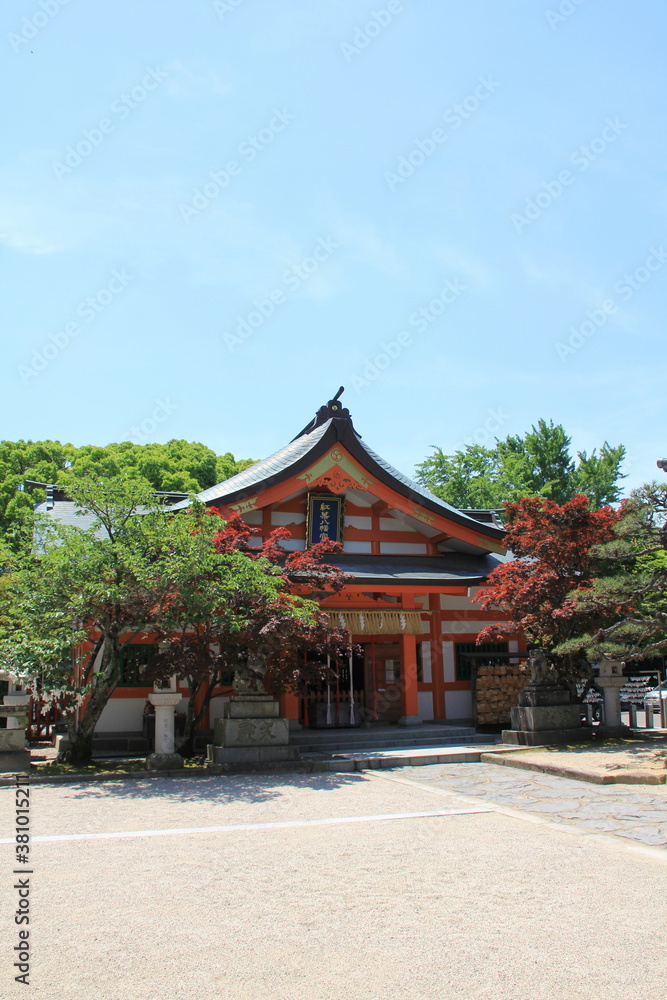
x,y
367,690
382,659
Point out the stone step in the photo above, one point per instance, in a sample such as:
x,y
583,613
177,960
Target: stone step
x,y
371,734
386,745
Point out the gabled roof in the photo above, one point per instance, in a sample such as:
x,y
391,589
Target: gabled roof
x,y
333,426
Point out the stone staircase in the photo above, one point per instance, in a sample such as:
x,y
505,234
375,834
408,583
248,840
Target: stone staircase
x,y
383,738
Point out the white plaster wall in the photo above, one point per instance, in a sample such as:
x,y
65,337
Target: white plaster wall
x,y
426,661
122,715
253,517
293,544
358,547
448,671
465,627
363,523
449,602
513,647
458,704
390,524
425,705
280,518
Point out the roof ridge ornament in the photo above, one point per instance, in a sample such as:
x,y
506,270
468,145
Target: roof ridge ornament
x,y
333,409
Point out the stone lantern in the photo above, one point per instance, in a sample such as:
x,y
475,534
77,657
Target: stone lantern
x,y
611,680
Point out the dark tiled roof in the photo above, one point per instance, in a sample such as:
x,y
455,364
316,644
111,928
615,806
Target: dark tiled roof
x,y
333,425
452,569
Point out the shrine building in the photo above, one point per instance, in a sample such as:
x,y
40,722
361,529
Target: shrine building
x,y
413,563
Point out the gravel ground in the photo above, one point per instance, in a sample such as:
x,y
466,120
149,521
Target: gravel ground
x,y
472,904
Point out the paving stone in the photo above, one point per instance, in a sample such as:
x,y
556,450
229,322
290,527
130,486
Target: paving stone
x,y
603,825
611,809
552,807
645,834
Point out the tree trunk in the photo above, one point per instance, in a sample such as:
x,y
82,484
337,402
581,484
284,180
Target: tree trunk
x,y
186,749
80,750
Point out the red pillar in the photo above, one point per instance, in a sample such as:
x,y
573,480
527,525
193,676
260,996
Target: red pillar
x,y
436,658
409,696
289,708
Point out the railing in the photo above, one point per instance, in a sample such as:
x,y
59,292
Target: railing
x,y
640,712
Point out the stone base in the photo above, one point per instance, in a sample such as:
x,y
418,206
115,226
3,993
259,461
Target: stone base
x,y
12,740
258,706
546,737
164,761
250,755
410,720
251,732
14,760
541,718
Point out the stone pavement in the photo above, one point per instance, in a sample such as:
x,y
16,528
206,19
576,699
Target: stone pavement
x,y
635,812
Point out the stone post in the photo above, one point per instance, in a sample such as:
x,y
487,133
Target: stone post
x,y
165,703
164,757
611,680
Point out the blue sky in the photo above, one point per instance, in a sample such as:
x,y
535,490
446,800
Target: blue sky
x,y
215,213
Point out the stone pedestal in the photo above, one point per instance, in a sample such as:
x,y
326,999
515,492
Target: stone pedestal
x,y
13,755
545,713
165,703
251,732
21,701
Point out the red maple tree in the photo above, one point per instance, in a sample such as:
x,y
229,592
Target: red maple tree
x,y
553,549
280,645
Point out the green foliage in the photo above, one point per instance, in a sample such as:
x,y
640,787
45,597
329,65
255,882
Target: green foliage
x,y
537,464
137,571
632,589
179,466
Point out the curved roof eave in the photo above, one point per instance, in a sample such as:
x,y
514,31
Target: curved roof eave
x,y
300,453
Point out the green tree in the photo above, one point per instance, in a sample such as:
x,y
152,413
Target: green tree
x,y
537,464
98,583
138,571
179,466
631,594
